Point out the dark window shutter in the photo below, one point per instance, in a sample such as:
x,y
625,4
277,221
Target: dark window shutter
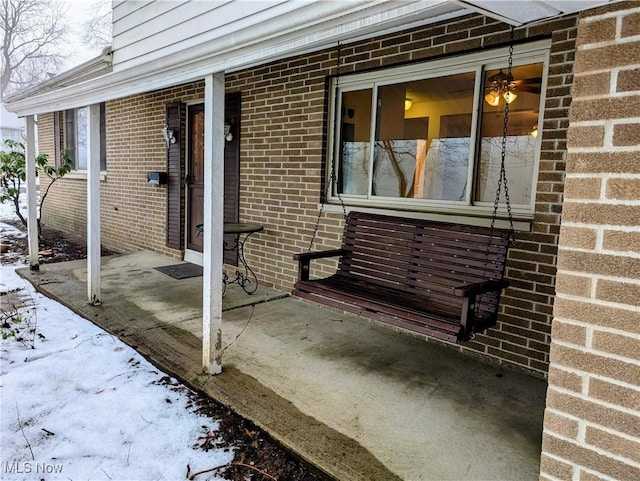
x,y
232,171
175,178
57,138
70,135
103,137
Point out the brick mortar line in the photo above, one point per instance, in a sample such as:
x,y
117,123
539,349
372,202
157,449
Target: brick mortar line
x,y
608,15
590,424
603,175
577,372
618,40
599,277
595,352
600,251
576,322
610,201
601,227
591,447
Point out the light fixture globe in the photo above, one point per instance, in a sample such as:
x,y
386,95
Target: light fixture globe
x,y
493,98
509,96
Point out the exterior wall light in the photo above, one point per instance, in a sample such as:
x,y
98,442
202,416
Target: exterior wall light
x,y
168,136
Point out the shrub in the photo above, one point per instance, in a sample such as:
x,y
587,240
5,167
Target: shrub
x,y
13,173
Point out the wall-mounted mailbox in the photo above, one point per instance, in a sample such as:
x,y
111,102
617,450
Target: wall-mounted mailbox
x,y
156,178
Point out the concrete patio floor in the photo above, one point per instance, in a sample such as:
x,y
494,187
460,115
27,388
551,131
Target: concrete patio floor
x,y
359,400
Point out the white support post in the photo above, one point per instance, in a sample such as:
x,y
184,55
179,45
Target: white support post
x,y
32,194
213,223
93,205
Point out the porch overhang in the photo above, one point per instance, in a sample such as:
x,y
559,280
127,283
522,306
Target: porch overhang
x,y
310,26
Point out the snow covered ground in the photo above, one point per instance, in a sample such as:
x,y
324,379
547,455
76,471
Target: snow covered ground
x,y
82,405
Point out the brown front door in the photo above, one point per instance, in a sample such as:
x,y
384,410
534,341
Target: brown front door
x,y
195,172
195,176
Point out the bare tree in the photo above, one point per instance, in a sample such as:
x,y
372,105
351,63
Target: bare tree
x,y
32,33
96,32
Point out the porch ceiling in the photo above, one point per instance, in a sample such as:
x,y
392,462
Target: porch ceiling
x,y
525,12
304,28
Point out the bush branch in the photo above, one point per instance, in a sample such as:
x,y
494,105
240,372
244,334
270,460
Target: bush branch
x,y
23,434
191,476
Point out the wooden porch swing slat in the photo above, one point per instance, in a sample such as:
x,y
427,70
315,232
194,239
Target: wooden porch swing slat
x,y
436,278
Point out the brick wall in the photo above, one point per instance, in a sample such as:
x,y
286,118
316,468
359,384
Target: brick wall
x,y
45,135
59,208
592,421
133,214
282,145
54,212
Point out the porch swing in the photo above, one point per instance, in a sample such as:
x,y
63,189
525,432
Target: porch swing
x,y
436,278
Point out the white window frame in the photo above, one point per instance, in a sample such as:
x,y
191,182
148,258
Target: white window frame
x,y
76,134
75,172
533,52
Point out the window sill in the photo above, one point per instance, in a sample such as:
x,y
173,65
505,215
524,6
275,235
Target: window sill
x,y
82,175
521,223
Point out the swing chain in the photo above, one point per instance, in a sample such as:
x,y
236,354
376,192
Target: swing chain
x,y
316,227
333,180
501,180
503,155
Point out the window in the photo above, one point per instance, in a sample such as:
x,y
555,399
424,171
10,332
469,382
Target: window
x,y
75,137
428,137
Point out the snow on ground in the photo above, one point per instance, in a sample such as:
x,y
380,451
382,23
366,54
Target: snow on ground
x,y
83,405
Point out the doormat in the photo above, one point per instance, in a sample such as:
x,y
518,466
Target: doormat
x,y
181,271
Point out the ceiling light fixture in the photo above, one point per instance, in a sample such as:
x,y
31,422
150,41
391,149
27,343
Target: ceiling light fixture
x,y
500,85
534,131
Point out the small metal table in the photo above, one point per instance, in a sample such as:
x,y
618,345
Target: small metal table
x,y
244,277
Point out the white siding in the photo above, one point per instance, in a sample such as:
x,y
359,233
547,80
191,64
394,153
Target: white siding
x,y
169,33
147,30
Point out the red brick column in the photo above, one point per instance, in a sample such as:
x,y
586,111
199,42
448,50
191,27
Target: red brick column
x,y
592,420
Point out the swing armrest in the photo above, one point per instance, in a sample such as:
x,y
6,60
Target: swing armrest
x,y
304,260
303,256
468,290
